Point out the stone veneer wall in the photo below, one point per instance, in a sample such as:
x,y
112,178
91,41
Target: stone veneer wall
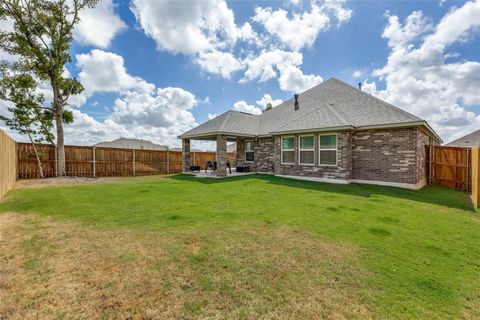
x,y
265,155
341,171
264,150
221,156
385,155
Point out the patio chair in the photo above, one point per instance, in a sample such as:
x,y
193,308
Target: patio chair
x,y
212,165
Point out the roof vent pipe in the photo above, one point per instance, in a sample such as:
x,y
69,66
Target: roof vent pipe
x,y
296,101
359,86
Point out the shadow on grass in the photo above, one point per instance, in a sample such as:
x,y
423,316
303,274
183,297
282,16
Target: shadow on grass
x,y
431,194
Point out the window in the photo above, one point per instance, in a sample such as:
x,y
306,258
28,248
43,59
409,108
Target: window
x,y
249,154
307,150
328,149
288,150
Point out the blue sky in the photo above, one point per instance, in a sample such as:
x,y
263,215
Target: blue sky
x,y
153,69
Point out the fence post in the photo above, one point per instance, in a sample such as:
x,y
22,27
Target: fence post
x,y
475,177
56,162
168,161
94,163
133,167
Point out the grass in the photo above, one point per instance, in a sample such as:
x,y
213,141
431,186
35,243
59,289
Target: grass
x,y
247,247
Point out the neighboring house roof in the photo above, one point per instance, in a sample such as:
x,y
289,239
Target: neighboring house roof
x,y
125,143
332,104
470,140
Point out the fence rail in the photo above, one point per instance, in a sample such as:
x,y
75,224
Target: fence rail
x,y
7,163
106,162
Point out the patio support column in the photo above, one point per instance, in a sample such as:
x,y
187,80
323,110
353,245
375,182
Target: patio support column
x,y
221,156
186,155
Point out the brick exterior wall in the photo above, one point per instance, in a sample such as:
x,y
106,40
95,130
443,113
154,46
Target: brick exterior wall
x,y
264,154
388,155
341,171
422,141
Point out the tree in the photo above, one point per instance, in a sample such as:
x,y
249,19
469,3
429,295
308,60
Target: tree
x,y
28,117
268,107
41,38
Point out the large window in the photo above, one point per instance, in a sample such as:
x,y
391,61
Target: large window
x,y
328,149
307,150
249,154
288,150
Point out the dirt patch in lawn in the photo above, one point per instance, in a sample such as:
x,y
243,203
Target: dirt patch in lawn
x,y
60,181
52,269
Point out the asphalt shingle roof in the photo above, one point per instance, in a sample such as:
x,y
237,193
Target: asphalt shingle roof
x,y
331,104
470,140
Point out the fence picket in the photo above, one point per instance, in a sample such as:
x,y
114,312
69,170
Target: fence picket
x,y
101,162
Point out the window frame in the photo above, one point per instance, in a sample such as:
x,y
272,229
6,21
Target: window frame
x,y
300,149
327,149
282,150
252,151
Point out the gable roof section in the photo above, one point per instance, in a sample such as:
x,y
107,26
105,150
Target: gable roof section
x,y
332,104
230,122
470,140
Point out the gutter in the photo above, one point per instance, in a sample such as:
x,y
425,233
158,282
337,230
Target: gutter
x,y
273,133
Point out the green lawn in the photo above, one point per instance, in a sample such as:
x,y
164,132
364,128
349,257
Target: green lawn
x,y
248,247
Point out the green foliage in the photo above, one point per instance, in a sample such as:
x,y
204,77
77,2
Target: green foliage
x,y
268,107
42,35
41,39
28,117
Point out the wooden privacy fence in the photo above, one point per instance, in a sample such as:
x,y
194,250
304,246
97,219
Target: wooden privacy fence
x,y
106,162
450,167
7,163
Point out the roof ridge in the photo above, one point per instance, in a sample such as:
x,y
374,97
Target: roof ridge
x,y
300,116
336,113
378,99
224,120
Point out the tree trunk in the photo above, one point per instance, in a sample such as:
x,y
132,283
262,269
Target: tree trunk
x,y
39,162
60,145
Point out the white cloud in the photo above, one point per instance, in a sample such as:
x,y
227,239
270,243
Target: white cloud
x,y
103,71
189,27
245,107
418,76
211,116
266,99
357,74
370,87
292,79
301,29
140,111
99,25
216,62
159,117
7,26
266,65
399,35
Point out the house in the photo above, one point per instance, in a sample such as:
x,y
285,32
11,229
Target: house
x,y
332,132
125,143
468,141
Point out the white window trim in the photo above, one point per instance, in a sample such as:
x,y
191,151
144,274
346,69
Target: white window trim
x,y
245,151
281,150
331,149
300,149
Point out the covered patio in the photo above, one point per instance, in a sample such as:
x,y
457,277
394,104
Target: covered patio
x,y
223,167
